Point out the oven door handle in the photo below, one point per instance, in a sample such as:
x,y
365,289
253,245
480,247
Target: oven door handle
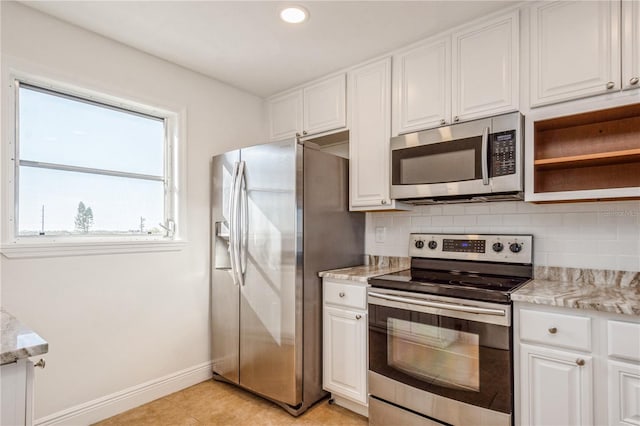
x,y
440,305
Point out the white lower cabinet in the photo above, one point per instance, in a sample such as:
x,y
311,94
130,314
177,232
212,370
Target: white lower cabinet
x,y
17,393
557,387
576,367
345,344
624,393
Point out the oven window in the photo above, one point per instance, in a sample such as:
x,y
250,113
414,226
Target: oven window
x,y
445,357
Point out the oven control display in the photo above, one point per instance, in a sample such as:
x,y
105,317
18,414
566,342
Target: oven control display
x,y
464,246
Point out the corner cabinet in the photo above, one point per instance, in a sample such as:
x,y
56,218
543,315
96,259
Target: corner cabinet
x,y
345,343
469,74
316,108
576,367
369,137
580,49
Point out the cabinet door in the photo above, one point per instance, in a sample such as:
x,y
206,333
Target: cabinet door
x,y
556,387
285,115
485,69
421,87
624,394
325,105
575,50
630,44
369,133
13,381
345,355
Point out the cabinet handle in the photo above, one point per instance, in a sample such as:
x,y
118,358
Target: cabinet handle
x,y
443,122
304,132
383,201
553,330
298,135
610,85
634,81
456,119
358,316
580,362
341,294
42,363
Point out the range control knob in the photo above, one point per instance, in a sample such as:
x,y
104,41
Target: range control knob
x,y
419,244
515,247
433,244
498,247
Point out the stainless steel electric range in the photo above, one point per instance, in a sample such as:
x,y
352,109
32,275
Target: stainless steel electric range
x,y
440,340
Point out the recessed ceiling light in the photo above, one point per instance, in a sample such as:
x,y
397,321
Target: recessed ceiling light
x,y
294,14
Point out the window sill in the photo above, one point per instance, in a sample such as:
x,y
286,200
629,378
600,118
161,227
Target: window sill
x,y
21,250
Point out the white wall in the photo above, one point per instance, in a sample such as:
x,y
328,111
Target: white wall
x,y
602,235
114,321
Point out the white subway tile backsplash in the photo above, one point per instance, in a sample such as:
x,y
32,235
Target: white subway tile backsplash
x,y
442,221
516,219
581,235
477,209
453,209
489,219
464,220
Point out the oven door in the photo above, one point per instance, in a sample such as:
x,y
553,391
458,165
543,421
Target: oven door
x,y
455,352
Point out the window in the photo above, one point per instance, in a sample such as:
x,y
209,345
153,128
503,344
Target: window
x,y
87,170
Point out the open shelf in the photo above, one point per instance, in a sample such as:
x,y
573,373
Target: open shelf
x,y
601,158
588,151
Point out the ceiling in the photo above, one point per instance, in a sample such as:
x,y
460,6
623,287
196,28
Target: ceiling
x,y
244,43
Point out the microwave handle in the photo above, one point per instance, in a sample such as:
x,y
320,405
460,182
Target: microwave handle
x,y
485,156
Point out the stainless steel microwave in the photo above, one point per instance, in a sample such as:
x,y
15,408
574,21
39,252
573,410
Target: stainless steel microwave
x,y
479,160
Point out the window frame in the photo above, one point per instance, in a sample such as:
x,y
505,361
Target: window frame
x,y
15,245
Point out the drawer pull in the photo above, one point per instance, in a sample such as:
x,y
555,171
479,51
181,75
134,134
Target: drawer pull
x,y
358,316
580,362
341,294
42,363
553,330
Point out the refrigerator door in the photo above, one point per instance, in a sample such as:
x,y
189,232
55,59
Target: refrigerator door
x,y
271,294
225,291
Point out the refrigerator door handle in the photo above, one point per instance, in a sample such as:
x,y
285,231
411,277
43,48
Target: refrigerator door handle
x,y
232,224
238,223
244,231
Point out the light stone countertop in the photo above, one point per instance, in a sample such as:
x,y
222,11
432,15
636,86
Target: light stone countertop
x,y
596,290
374,266
19,341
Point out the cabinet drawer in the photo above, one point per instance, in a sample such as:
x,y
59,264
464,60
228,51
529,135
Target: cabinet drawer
x,y
624,340
349,295
566,331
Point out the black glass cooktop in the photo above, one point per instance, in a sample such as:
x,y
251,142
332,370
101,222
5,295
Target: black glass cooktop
x,y
487,287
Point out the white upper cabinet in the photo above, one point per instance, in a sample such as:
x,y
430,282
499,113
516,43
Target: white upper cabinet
x,y
325,105
631,44
422,81
469,74
485,69
575,50
319,107
285,115
369,137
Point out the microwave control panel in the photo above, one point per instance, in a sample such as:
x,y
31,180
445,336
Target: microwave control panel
x,y
503,153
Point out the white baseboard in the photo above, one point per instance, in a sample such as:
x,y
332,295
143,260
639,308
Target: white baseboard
x,y
118,402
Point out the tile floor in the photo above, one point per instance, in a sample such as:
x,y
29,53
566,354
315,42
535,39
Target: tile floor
x,y
215,403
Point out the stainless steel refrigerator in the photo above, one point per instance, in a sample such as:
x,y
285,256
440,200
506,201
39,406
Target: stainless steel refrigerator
x,y
280,215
